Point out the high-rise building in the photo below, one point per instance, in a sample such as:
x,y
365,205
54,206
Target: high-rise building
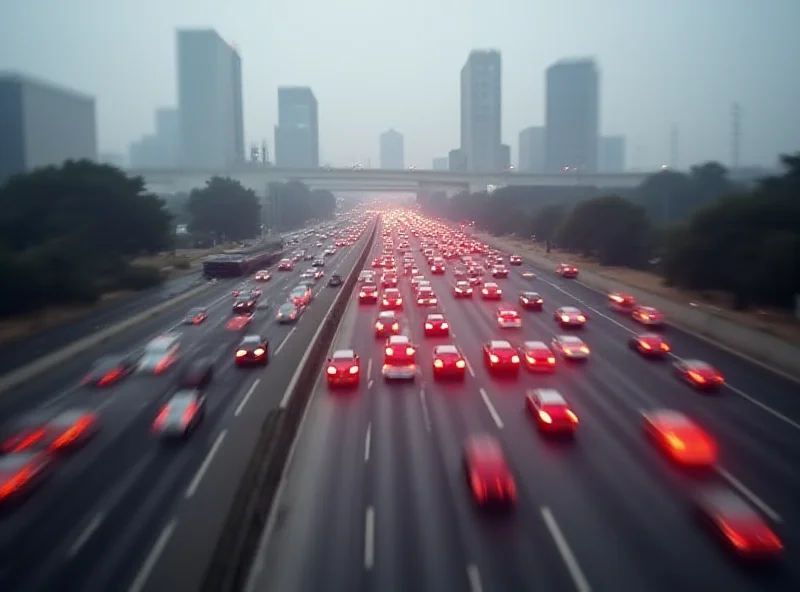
x,y
504,157
209,101
457,160
531,150
297,132
392,150
441,164
572,116
481,111
162,149
611,154
42,124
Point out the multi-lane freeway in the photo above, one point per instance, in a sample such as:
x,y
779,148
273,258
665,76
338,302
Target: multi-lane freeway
x,y
93,524
375,499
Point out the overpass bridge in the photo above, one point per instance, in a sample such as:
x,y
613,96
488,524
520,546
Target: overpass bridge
x,y
411,180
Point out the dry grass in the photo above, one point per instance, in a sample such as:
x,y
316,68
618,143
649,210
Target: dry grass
x,y
777,322
181,257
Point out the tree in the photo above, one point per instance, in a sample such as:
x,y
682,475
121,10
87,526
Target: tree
x,y
291,205
547,221
324,203
225,209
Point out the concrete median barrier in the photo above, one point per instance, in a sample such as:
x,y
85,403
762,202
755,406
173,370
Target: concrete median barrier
x,y
19,376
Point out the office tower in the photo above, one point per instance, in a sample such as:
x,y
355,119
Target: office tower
x,y
457,160
504,157
160,150
42,124
392,149
297,132
611,154
531,150
481,111
209,101
572,116
441,164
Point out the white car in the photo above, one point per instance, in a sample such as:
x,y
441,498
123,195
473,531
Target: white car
x,y
508,318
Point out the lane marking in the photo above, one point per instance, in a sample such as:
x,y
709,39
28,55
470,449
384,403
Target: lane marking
x,y
369,539
152,558
490,407
285,339
754,499
198,477
469,367
474,577
369,384
369,368
246,397
367,442
765,407
581,583
87,533
425,415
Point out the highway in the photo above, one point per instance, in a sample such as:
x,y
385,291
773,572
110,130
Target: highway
x,y
375,499
93,523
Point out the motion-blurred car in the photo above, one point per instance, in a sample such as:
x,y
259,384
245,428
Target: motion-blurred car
x,y
400,359
286,265
538,357
436,325
570,317
649,345
366,275
181,415
491,291
499,271
699,375
508,318
368,294
462,289
335,281
197,374
426,296
448,362
499,356
244,305
514,260
621,302
551,412
160,354
239,291
531,301
195,316
64,430
567,270
252,350
288,313
649,316
570,347
528,275
262,275
487,472
389,280
21,473
392,300
239,322
475,280
318,263
301,295
108,370
680,438
438,267
344,368
387,324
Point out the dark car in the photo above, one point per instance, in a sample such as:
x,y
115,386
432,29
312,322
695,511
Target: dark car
x,y
335,281
108,370
21,472
54,432
244,306
197,374
253,349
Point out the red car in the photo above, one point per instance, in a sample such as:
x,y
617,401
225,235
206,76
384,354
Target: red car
x,y
491,291
649,345
499,271
387,324
61,431
500,356
21,472
286,265
567,270
262,276
487,472
475,280
392,300
508,318
436,326
551,412
647,315
680,438
699,375
531,301
344,368
515,260
448,362
368,294
438,267
621,302
239,322
400,359
569,316
426,296
462,289
538,357
389,280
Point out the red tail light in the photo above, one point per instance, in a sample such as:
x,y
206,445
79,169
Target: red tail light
x,y
241,353
461,364
428,326
72,434
551,360
410,351
389,351
353,369
544,416
515,359
493,359
190,412
572,417
396,327
696,377
437,363
379,326
16,482
445,325
331,370
161,417
24,442
363,294
260,351
664,347
110,377
581,318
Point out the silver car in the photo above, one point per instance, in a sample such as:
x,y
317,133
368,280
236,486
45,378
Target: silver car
x,y
181,415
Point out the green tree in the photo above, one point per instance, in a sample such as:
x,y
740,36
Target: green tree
x,y
547,221
225,209
324,203
291,205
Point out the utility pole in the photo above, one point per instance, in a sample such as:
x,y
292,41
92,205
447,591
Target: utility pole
x,y
736,131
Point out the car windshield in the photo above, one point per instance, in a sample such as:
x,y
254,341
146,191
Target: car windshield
x,y
287,308
196,311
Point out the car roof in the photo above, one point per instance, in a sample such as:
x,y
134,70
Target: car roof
x,y
529,293
569,309
445,349
436,316
499,344
569,339
669,417
727,503
343,354
697,364
654,336
387,314
251,339
549,396
391,290
184,395
399,339
535,345
485,445
490,285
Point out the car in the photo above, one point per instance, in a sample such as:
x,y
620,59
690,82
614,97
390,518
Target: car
x,y
551,412
649,345
680,438
514,260
387,324
108,370
237,292
438,267
55,432
649,316
329,252
344,368
197,374
499,271
448,362
570,317
262,275
531,301
21,473
308,276
181,414
301,295
488,475
475,280
318,263
415,281
392,300
400,359
244,305
377,263
421,285
286,265
160,354
528,275
698,374
567,270
621,302
491,291
239,322
426,296
508,318
366,275
335,281
316,273
256,293
538,357
389,280
308,256
368,294
570,347
741,528
195,316
499,356
462,289
288,312
460,273
252,349
436,325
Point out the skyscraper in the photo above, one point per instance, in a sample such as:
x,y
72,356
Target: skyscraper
x,y
441,163
611,154
531,150
297,132
42,124
481,111
572,116
209,100
392,150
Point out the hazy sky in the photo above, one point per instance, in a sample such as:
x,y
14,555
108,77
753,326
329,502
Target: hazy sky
x,y
376,64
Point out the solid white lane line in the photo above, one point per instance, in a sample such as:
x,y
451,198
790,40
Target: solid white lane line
x,y
764,407
246,397
469,368
474,577
369,384
581,583
369,539
86,534
490,407
285,339
367,442
152,558
425,415
369,369
198,477
746,492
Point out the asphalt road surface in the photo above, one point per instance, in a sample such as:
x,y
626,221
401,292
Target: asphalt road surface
x,y
375,499
91,527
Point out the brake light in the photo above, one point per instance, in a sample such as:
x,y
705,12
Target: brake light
x,y
545,416
409,351
363,294
190,412
498,292
399,300
485,291
434,300
469,290
493,359
437,363
675,442
584,349
572,417
259,351
565,318
429,326
110,377
445,325
645,345
72,434
581,318
161,366
396,327
385,301
17,444
461,364
645,316
331,370
161,417
664,347
515,359
16,483
389,351
551,360
696,377
524,300
420,300
379,326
